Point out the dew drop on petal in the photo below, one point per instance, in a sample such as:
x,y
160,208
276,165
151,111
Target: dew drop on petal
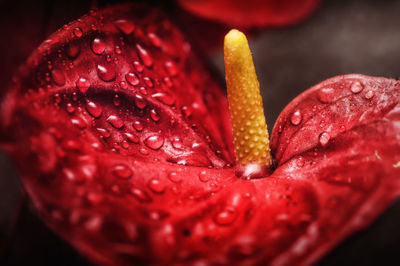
x,y
171,68
300,161
138,66
138,126
126,26
106,73
58,77
149,83
165,98
155,40
203,176
125,144
174,177
104,132
177,143
156,186
143,90
296,118
116,100
82,84
115,121
324,139
325,95
78,32
80,123
122,171
154,142
140,101
94,109
70,108
132,138
98,46
154,115
369,95
118,50
132,79
356,87
144,151
123,85
144,55
140,195
226,217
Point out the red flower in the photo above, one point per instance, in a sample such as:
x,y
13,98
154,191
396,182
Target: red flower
x,y
124,144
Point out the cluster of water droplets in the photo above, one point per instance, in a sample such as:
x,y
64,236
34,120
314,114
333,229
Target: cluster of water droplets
x,y
327,95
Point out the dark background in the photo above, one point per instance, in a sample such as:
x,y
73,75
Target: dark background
x,y
343,36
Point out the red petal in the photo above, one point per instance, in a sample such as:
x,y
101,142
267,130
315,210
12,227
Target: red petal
x,y
259,13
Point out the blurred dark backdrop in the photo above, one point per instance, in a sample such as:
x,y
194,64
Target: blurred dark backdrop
x,y
343,36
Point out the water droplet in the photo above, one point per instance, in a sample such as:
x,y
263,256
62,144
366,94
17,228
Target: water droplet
x,y
116,100
300,161
167,81
156,186
324,139
155,40
356,87
104,132
106,73
78,32
154,115
115,121
98,46
144,151
165,98
226,217
203,176
118,50
126,26
123,85
132,138
132,79
138,66
138,126
296,118
187,111
369,95
174,177
154,142
70,108
140,101
125,144
122,171
143,90
94,109
325,95
177,143
148,82
171,68
144,55
82,84
57,98
78,122
140,195
58,77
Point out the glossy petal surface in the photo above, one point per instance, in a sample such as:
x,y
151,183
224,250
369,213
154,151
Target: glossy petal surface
x,y
252,13
123,142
